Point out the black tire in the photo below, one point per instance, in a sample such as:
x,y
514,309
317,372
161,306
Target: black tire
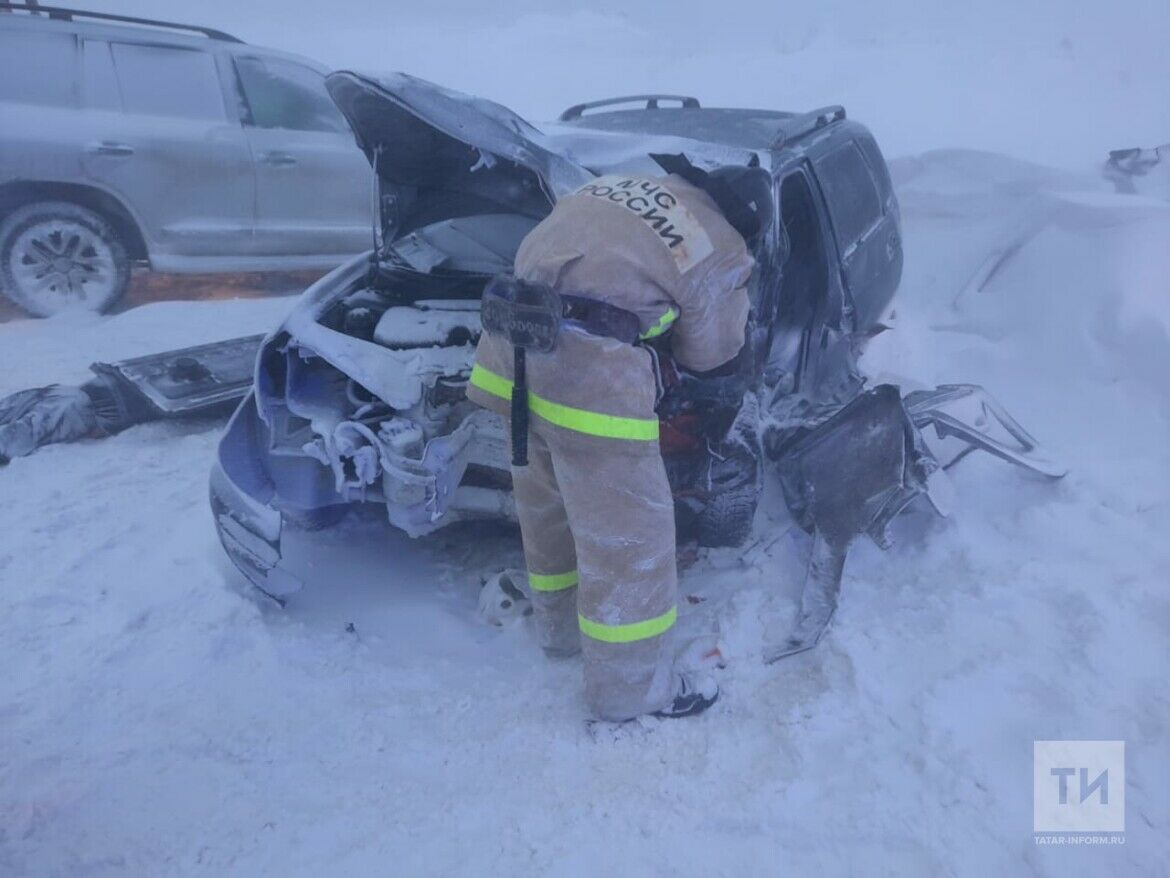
x,y
57,256
727,520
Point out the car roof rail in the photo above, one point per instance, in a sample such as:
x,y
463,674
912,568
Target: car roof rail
x,y
60,13
576,111
806,123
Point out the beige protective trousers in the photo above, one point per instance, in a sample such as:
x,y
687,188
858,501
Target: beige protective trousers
x,y
598,531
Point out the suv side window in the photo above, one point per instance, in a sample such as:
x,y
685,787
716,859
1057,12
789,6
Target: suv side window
x,y
38,68
854,204
282,94
877,166
166,81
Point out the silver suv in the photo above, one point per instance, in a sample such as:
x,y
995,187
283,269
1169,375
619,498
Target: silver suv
x,y
126,140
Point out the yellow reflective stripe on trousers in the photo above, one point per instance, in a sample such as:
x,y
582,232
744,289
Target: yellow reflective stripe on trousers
x,y
631,632
578,420
552,581
663,324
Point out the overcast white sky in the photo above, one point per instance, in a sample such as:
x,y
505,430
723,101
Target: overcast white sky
x,y
1058,80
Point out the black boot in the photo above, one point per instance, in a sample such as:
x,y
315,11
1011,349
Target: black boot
x,y
696,692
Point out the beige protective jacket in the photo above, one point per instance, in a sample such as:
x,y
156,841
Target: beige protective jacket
x,y
657,246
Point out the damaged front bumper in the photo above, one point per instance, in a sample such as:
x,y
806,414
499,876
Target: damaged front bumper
x,y
241,494
250,535
260,482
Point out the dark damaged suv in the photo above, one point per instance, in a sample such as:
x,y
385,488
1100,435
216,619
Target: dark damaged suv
x,y
359,397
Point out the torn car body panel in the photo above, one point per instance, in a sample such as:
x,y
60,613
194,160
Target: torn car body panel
x,y
970,414
852,472
198,381
192,380
847,476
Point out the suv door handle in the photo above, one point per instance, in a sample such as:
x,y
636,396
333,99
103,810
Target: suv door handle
x,y
107,147
280,159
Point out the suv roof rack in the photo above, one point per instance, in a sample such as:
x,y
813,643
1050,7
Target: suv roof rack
x,y
575,111
62,14
806,123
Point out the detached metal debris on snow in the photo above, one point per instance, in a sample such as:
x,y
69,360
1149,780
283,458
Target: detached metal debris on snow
x,y
197,381
855,470
1137,170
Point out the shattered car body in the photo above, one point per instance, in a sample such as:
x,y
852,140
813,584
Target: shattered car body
x,y
202,381
359,397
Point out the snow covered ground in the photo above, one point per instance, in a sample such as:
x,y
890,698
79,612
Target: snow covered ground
x,y
157,718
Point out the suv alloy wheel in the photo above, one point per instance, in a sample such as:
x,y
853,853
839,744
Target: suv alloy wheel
x,y
56,256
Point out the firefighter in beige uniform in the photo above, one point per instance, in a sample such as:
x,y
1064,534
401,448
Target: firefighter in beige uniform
x,y
595,509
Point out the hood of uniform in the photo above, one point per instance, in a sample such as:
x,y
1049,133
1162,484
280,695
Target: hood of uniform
x,y
441,154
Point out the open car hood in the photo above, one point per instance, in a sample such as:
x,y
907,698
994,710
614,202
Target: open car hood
x,y
441,154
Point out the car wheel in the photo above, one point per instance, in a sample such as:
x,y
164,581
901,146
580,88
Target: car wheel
x,y
727,520
56,256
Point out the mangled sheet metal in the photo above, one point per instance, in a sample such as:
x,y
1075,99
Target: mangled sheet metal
x,y
847,476
191,382
1140,171
970,414
850,473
